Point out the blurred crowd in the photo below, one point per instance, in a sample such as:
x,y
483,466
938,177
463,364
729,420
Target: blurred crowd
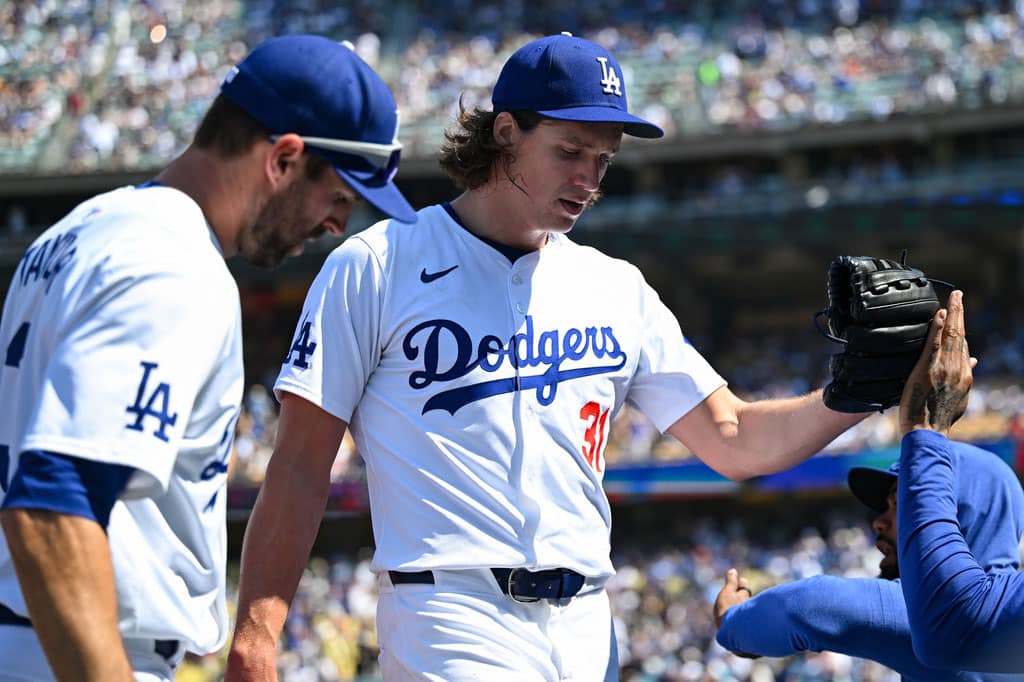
x,y
50,51
772,366
95,85
115,84
661,601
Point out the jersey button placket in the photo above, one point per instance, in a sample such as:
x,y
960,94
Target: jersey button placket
x,y
516,291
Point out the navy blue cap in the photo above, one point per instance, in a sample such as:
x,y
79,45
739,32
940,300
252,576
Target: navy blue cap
x,y
322,91
569,79
871,485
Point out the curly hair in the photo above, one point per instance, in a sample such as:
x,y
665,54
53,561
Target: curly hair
x,y
470,151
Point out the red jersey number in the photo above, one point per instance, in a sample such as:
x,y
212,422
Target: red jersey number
x,y
597,422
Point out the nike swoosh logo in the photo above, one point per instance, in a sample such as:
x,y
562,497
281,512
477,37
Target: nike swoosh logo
x,y
428,277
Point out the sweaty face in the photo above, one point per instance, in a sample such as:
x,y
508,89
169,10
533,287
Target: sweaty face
x,y
558,169
885,538
303,210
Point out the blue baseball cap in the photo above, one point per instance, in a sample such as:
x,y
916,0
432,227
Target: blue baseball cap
x,y
871,485
324,93
568,79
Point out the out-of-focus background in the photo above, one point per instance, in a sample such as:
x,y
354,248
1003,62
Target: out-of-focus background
x,y
797,130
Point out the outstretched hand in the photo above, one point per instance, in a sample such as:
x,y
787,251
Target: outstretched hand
x,y
735,591
935,394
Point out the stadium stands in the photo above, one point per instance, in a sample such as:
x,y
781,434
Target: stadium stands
x,y
121,84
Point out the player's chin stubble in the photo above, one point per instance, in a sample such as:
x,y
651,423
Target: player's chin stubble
x,y
275,231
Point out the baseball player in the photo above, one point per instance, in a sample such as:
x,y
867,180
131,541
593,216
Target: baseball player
x,y
960,616
865,617
478,359
122,373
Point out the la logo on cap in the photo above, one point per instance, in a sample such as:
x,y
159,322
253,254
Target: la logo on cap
x,y
609,81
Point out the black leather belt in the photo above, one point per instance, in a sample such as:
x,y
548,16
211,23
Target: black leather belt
x,y
166,648
417,578
521,585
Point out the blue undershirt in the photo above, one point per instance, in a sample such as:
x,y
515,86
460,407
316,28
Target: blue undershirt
x,y
961,615
67,485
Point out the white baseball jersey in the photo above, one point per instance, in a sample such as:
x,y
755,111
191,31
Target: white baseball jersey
x,y
122,340
480,391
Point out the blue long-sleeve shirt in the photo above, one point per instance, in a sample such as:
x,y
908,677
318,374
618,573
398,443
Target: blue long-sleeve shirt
x,y
960,616
862,617
870,618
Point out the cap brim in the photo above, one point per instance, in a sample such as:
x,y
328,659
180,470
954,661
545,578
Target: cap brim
x,y
631,125
385,198
871,486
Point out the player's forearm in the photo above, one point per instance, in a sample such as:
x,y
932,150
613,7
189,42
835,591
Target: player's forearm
x,y
766,436
775,435
760,627
281,530
278,538
740,439
860,617
805,615
67,578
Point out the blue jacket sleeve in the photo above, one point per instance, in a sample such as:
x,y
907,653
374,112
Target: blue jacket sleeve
x,y
960,616
860,617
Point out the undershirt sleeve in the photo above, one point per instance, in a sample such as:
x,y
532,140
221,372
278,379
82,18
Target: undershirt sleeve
x,y
67,485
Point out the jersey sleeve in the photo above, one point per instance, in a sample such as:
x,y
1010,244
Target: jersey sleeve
x,y
961,617
672,377
860,617
335,346
120,381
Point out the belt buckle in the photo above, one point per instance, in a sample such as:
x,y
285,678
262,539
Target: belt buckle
x,y
512,594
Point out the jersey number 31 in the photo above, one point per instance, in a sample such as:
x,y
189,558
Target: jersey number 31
x,y
597,423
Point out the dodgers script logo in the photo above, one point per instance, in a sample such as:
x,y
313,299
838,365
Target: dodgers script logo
x,y
548,350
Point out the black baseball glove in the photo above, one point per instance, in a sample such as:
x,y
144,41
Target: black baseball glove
x,y
880,310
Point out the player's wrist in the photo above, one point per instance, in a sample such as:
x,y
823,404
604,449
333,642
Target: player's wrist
x,y
926,427
253,636
252,656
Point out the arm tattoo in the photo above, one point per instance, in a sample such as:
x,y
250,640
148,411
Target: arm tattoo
x,y
944,404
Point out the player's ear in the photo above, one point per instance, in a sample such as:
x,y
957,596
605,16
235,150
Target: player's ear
x,y
284,159
506,130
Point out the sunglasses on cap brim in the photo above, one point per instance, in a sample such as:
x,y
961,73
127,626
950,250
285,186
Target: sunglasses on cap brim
x,y
383,157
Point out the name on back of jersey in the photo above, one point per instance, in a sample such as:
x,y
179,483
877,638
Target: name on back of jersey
x,y
42,262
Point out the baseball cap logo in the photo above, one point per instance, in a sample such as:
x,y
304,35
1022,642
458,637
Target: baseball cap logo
x,y
609,81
